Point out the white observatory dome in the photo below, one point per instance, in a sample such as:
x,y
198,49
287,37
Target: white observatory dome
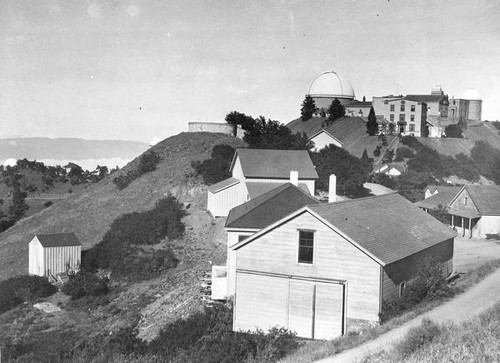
x,y
471,94
331,84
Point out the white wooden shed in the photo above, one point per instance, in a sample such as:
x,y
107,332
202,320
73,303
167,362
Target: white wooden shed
x,y
51,254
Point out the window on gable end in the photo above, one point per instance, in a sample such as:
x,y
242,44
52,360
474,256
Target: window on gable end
x,y
306,247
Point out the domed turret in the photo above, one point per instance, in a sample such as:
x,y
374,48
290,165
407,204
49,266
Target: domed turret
x,y
328,86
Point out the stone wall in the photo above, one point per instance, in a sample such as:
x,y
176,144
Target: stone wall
x,y
216,127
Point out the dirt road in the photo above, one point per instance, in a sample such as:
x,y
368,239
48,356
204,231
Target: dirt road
x,y
468,254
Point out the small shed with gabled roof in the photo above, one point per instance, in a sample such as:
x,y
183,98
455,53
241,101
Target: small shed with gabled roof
x,y
52,254
325,265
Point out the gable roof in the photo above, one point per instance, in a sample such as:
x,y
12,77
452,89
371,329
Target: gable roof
x,y
269,207
485,197
58,240
217,187
388,227
443,188
442,198
275,164
327,133
255,188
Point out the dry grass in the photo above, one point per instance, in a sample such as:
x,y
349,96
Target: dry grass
x,y
89,212
314,350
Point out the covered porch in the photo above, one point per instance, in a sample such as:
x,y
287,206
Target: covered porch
x,y
464,221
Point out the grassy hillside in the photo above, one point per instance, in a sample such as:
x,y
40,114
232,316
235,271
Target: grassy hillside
x,y
90,212
482,131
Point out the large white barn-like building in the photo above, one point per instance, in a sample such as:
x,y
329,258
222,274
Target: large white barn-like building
x,y
52,254
257,171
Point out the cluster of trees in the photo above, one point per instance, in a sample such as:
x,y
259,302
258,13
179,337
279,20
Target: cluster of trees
x,y
85,283
19,289
350,171
262,133
147,162
336,110
125,248
17,207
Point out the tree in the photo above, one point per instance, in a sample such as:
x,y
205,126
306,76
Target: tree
x,y
308,108
372,125
216,168
351,172
18,207
271,134
238,118
335,111
453,131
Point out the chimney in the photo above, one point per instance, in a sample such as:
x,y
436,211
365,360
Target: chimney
x,y
294,177
332,189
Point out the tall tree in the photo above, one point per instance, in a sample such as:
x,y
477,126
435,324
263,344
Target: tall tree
x,y
308,108
372,125
336,111
238,118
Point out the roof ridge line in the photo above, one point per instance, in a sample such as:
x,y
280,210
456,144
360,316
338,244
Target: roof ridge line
x,y
356,199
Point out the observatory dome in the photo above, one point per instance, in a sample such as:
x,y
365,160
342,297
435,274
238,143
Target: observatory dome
x,y
331,84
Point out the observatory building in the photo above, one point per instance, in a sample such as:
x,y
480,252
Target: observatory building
x,y
328,86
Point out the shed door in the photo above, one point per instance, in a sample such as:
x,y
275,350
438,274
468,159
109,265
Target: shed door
x,y
329,311
300,308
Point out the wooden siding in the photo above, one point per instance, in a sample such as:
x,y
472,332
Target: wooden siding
x,y
36,260
486,225
220,203
312,309
464,201
56,259
334,258
390,290
407,268
238,170
322,140
232,238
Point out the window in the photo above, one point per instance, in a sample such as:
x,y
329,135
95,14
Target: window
x,y
402,287
392,108
465,201
412,118
412,108
391,117
306,246
412,128
402,117
402,108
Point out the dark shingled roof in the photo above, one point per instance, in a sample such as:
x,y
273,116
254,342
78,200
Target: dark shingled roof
x,y
269,207
275,164
486,198
388,226
256,189
442,198
214,188
443,188
58,240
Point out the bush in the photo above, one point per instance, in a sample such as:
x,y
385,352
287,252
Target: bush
x,y
147,162
412,142
453,131
404,153
121,249
417,338
216,168
48,203
84,283
16,290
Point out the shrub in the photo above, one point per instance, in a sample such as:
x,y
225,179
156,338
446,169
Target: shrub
x,y
16,290
404,153
120,249
83,283
48,203
412,142
453,131
417,338
216,168
147,162
377,151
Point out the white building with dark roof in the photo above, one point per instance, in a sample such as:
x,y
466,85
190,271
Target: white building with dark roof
x,y
324,266
256,171
52,254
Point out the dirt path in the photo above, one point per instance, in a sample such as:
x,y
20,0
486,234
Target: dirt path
x,y
472,302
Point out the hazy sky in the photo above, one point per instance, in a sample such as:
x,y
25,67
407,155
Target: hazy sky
x,y
137,70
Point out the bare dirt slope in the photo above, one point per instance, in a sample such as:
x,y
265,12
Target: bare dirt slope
x,y
90,212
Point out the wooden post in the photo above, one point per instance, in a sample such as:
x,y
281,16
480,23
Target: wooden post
x,y
463,229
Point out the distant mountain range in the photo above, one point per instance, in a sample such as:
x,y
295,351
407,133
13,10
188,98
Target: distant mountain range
x,y
75,149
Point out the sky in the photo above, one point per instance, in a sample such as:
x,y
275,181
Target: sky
x,y
141,70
